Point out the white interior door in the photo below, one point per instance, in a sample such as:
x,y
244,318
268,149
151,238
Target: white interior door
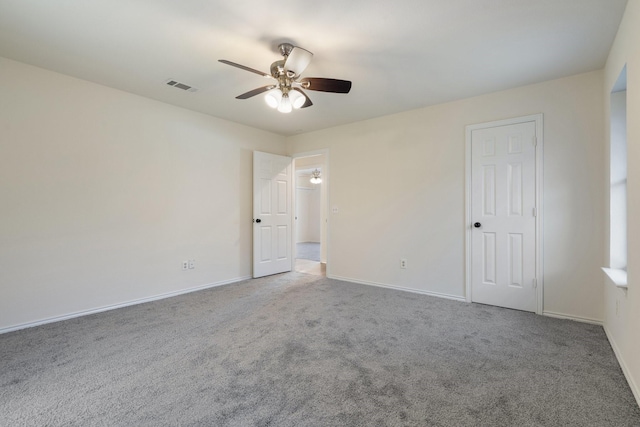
x,y
272,239
503,215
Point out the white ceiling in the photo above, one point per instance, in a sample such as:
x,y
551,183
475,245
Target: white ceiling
x,y
400,55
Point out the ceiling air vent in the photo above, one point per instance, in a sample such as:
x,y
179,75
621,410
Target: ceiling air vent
x,y
179,85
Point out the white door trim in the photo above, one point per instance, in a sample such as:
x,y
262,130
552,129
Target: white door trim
x,y
538,120
324,195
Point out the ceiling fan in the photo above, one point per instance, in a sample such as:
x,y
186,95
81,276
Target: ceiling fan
x,y
286,92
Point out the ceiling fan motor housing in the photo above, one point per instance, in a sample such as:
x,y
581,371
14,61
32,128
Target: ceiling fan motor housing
x,y
285,49
277,68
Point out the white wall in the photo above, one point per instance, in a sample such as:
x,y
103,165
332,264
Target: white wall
x,y
104,193
622,308
398,183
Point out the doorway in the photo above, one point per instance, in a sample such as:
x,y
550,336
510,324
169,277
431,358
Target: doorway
x,y
503,215
310,181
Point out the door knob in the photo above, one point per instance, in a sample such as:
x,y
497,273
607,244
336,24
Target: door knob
x,y
258,220
477,225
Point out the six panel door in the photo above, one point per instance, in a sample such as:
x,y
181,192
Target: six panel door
x,y
272,244
503,236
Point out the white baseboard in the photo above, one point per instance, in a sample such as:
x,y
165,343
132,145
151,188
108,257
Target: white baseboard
x,y
570,317
120,305
625,370
399,288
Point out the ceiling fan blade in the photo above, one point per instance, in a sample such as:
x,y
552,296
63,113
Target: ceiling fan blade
x,y
326,85
308,102
242,67
298,60
255,92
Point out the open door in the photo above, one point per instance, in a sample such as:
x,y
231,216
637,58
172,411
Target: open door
x,y
272,203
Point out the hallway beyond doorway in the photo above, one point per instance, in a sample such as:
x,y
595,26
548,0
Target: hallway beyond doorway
x,y
308,250
308,259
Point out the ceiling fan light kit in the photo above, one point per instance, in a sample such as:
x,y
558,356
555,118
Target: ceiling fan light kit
x,y
297,100
273,98
285,104
286,94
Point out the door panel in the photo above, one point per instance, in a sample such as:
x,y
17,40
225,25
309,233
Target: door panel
x,y
515,260
489,256
265,196
272,179
489,184
503,248
514,175
283,197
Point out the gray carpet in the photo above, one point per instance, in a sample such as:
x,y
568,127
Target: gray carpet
x,y
298,350
308,250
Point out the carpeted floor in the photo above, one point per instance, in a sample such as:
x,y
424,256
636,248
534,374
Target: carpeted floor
x,y
299,350
308,250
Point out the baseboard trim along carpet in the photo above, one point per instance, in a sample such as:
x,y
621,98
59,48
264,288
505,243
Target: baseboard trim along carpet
x,y
400,288
625,369
120,305
569,317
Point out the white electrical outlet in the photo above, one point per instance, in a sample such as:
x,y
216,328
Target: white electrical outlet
x,y
185,265
403,263
192,263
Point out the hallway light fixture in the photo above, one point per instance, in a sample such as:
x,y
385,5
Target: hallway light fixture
x,y
315,177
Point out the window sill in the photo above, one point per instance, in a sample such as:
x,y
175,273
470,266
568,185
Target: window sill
x,y
617,276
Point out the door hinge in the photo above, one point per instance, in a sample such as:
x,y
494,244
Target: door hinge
x,y
535,141
535,283
535,212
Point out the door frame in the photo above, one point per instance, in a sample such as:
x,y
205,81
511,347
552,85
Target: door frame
x,y
538,120
324,200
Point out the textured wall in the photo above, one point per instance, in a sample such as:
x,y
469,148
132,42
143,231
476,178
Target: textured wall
x,y
398,183
105,193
